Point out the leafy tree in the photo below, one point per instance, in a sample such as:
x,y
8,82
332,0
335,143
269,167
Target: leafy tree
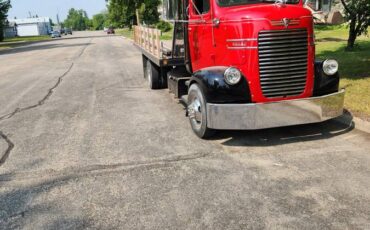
x,y
123,12
358,15
149,11
77,20
4,8
99,21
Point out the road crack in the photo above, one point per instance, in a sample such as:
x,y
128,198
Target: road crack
x,y
39,103
8,150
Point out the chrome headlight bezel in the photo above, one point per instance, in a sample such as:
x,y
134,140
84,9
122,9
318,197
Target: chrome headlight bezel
x,y
232,76
330,67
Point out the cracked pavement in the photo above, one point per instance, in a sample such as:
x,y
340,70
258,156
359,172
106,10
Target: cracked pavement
x,y
85,144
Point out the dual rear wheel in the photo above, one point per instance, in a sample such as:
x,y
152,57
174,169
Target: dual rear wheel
x,y
151,74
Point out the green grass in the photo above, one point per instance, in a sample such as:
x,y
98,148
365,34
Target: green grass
x,y
4,46
354,65
27,39
14,42
126,32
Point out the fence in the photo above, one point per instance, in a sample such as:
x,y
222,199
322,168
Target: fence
x,y
148,39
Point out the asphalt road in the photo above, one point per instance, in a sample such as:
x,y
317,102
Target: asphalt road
x,y
85,144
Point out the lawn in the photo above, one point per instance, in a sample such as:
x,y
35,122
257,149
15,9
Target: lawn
x,y
27,39
354,66
126,32
13,42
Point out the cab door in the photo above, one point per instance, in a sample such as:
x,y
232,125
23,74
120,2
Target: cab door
x,y
200,34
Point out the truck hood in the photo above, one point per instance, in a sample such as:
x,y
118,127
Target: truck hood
x,y
266,11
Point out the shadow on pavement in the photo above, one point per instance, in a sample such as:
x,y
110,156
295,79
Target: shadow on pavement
x,y
45,46
286,135
17,210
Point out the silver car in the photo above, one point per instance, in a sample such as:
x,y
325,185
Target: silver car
x,y
55,34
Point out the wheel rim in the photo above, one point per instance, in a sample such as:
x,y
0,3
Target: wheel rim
x,y
195,112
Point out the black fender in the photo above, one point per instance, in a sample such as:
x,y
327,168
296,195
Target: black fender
x,y
216,90
324,84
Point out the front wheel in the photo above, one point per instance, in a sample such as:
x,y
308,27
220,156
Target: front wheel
x,y
197,112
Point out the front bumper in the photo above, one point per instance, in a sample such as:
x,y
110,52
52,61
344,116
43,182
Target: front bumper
x,y
275,114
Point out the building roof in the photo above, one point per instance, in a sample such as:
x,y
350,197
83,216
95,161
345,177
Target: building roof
x,y
11,24
29,20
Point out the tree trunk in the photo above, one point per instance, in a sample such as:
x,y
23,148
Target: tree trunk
x,y
352,34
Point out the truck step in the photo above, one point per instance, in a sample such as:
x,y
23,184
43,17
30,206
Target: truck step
x,y
176,79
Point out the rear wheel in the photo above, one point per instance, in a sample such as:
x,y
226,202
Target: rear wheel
x,y
151,74
197,112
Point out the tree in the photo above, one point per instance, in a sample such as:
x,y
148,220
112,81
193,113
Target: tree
x,y
77,20
358,14
149,12
123,12
99,21
4,8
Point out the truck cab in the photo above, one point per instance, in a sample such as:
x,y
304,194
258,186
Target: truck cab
x,y
249,64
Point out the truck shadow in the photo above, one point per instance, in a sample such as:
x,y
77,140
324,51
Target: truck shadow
x,y
287,135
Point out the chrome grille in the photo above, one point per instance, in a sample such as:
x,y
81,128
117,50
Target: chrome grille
x,y
283,62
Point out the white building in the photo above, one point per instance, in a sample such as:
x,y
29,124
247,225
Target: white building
x,y
33,26
10,30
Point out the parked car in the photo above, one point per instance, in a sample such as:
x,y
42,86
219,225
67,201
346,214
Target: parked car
x,y
111,31
55,34
68,31
62,31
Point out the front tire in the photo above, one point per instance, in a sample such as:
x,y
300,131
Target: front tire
x,y
198,112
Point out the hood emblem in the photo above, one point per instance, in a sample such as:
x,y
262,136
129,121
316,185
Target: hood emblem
x,y
286,22
280,3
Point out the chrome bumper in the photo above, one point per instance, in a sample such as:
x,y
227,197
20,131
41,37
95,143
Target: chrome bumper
x,y
275,114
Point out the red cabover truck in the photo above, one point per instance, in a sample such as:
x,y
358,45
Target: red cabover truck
x,y
242,64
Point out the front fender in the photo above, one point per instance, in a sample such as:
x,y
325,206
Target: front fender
x,y
324,84
216,90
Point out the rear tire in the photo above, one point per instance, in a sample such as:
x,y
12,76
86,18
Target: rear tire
x,y
152,75
198,112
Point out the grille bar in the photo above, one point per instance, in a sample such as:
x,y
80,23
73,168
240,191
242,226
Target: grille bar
x,y
282,81
283,62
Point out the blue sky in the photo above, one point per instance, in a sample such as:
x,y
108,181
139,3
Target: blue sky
x,y
50,8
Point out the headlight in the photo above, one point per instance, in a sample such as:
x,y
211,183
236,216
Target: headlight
x,y
330,67
232,76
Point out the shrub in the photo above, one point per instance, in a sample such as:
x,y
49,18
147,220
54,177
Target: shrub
x,y
164,26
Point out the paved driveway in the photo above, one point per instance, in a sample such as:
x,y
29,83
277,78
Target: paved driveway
x,y
84,143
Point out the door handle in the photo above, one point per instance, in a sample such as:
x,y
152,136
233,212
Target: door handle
x,y
216,22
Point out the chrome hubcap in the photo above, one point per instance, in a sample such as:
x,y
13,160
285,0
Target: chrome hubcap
x,y
195,110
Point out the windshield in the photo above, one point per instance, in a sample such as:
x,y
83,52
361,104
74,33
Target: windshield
x,y
245,2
